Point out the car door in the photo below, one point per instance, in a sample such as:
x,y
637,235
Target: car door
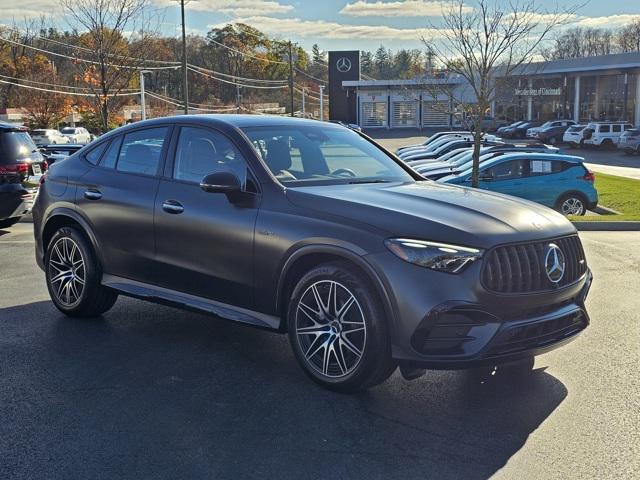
x,y
117,198
505,177
547,180
204,241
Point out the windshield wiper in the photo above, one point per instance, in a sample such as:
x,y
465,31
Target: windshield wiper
x,y
355,182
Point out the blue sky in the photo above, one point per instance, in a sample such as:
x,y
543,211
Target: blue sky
x,y
333,24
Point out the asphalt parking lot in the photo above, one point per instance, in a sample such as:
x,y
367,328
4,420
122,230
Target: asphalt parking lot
x,y
149,391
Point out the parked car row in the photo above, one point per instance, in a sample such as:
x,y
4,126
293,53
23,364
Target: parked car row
x,y
536,172
50,136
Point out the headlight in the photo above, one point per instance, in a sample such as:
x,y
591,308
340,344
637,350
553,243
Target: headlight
x,y
433,255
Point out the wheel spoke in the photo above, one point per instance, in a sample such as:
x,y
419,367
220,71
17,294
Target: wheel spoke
x,y
322,345
316,295
347,343
345,308
316,329
360,329
326,359
339,354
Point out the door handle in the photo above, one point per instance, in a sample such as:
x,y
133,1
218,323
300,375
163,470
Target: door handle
x,y
171,206
92,194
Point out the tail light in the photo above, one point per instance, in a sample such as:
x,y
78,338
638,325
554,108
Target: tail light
x,y
20,168
589,176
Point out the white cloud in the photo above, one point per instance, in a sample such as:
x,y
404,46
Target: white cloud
x,y
610,21
30,9
233,7
398,8
333,30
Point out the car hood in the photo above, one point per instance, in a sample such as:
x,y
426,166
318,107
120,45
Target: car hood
x,y
434,211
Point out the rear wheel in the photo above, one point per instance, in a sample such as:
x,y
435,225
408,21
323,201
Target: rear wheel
x,y
8,222
73,276
337,329
607,144
571,204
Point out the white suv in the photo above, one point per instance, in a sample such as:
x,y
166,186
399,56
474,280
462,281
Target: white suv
x,y
604,134
76,134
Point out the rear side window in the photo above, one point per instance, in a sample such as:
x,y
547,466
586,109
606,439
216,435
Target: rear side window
x,y
508,170
604,128
94,155
111,156
545,167
140,151
617,128
15,145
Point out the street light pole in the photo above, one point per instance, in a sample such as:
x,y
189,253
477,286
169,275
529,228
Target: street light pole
x,y
321,103
303,92
291,77
185,92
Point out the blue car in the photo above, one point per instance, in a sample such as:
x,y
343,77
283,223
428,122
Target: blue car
x,y
557,181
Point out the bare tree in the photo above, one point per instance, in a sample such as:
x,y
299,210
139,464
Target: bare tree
x,y
629,37
494,39
118,36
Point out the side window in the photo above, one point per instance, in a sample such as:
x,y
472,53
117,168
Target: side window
x,y
617,128
140,152
201,152
604,129
628,126
111,155
508,170
94,155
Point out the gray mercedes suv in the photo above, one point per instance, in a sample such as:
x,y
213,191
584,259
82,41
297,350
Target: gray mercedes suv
x,y
313,230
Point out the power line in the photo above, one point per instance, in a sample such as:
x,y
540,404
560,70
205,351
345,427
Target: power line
x,y
78,94
248,54
262,87
55,84
235,77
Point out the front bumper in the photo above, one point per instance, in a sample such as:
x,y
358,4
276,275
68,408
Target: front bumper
x,y
443,321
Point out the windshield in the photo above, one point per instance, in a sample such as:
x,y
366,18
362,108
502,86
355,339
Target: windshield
x,y
16,145
305,155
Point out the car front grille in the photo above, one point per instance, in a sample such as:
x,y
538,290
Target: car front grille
x,y
520,268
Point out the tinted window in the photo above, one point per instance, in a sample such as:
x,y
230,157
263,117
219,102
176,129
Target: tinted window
x,y
507,170
140,151
617,128
201,152
109,158
605,128
68,130
94,155
14,145
324,155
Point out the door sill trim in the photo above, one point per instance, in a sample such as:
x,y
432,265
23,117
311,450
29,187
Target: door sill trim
x,y
153,293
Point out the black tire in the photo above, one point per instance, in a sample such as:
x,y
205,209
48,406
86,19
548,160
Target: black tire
x,y
563,204
9,222
87,299
374,365
606,144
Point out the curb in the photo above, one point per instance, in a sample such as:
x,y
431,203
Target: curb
x,y
607,226
606,211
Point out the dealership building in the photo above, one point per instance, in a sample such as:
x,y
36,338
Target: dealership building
x,y
583,89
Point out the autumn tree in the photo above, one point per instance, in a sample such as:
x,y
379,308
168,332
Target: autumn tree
x,y
118,36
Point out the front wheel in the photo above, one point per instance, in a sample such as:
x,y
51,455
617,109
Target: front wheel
x,y
73,276
571,204
337,329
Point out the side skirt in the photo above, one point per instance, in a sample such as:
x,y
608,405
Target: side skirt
x,y
165,296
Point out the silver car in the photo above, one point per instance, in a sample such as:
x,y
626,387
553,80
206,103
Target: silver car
x,y
48,136
629,141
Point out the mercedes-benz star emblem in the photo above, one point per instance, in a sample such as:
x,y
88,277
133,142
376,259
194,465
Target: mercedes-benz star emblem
x,y
343,64
554,263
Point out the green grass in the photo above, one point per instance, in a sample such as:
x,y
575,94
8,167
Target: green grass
x,y
618,193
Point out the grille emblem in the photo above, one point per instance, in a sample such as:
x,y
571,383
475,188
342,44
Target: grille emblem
x,y
554,263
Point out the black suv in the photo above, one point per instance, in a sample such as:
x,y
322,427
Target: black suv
x,y
313,229
21,166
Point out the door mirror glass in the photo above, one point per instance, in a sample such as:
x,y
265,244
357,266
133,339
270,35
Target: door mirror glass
x,y
221,182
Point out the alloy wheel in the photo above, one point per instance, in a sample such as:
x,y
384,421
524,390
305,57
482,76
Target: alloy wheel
x,y
330,329
66,271
572,206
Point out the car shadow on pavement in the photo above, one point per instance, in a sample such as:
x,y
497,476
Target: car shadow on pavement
x,y
152,392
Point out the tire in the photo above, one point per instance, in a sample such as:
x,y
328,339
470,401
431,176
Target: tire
x,y
9,222
606,144
73,276
320,333
571,204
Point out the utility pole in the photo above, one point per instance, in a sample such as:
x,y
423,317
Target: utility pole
x,y
185,92
291,76
304,89
321,103
237,98
143,104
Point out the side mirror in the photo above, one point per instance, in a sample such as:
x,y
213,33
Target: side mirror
x,y
221,182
